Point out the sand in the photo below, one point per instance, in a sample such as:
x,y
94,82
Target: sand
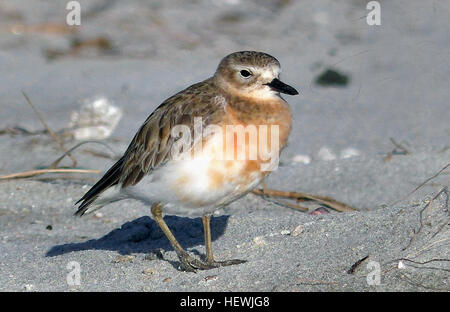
x,y
398,88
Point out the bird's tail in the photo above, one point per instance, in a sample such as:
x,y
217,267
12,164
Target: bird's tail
x,y
91,202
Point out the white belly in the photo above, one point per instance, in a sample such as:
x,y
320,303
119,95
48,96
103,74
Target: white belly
x,y
197,186
188,188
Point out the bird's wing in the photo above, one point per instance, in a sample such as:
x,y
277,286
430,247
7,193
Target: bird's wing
x,y
151,146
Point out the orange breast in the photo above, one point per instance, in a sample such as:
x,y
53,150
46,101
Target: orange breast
x,y
252,140
235,157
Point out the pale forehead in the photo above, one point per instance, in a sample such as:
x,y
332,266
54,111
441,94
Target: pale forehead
x,y
270,71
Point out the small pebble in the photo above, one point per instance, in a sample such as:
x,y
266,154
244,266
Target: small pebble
x,y
349,152
166,280
28,287
98,215
259,241
326,154
211,278
319,211
298,230
401,265
304,159
121,259
285,232
149,271
154,255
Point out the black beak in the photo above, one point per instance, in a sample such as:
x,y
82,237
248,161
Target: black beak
x,y
280,86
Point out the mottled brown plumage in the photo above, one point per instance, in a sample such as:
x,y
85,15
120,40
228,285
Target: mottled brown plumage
x,y
151,146
244,91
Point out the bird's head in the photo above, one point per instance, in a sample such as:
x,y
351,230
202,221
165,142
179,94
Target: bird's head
x,y
251,74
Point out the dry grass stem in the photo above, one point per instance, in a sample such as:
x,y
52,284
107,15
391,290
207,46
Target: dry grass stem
x,y
32,173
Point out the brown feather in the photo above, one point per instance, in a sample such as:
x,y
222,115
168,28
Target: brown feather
x,y
151,146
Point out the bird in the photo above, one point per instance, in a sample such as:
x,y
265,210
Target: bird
x,y
172,173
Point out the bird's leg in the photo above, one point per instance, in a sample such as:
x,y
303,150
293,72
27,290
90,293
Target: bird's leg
x,y
210,262
189,263
207,231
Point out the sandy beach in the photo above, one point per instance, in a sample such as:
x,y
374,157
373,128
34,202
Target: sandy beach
x,y
369,141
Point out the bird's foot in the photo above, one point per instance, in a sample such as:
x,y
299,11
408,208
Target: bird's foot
x,y
216,264
191,264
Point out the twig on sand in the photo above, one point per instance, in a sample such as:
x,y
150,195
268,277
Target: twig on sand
x,y
330,202
356,264
279,202
53,167
421,263
425,262
20,130
422,184
31,173
56,162
99,154
398,150
433,244
309,282
52,134
417,284
444,190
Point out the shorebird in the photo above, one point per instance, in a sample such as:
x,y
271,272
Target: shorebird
x,y
200,176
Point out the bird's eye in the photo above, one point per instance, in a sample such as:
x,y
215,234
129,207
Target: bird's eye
x,y
245,73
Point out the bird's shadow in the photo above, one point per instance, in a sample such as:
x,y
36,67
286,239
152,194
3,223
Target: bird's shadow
x,y
143,235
